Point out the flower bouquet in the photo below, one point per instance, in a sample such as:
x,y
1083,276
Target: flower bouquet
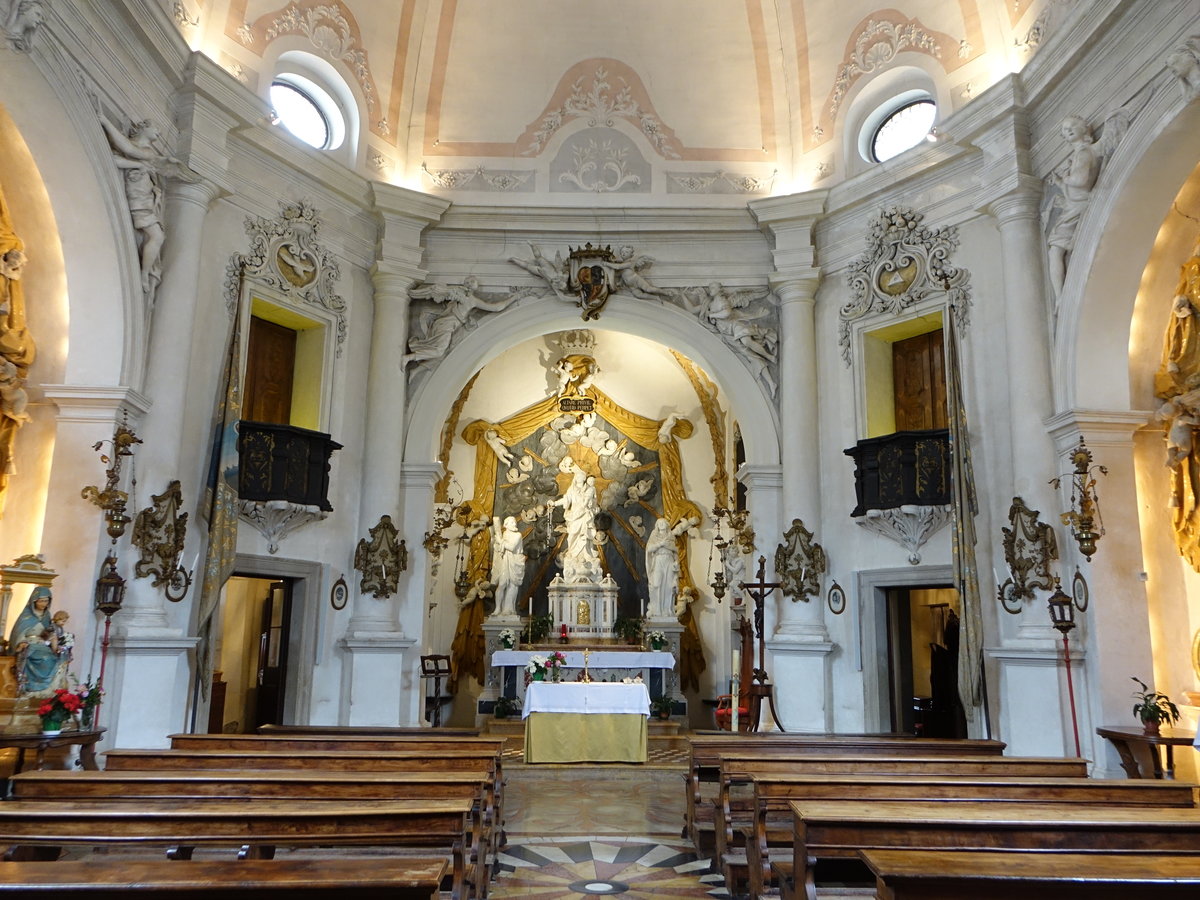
x,y
56,709
508,638
535,668
90,695
657,639
555,663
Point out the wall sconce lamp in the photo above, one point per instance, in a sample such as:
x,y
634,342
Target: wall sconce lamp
x,y
112,499
1083,518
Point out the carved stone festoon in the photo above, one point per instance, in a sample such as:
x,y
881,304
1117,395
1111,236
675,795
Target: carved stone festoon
x,y
908,526
276,519
800,562
159,532
381,560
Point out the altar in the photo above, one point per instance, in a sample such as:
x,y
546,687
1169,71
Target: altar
x,y
573,722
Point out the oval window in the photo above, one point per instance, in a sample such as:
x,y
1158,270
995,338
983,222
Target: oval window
x,y
903,128
300,114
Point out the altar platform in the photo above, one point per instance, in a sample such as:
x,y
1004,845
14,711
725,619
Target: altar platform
x,y
596,722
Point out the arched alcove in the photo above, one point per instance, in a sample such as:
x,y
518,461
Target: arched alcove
x,y
743,397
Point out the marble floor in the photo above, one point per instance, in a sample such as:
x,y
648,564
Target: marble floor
x,y
598,830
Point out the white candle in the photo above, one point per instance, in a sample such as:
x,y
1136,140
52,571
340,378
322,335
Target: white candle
x,y
737,661
643,607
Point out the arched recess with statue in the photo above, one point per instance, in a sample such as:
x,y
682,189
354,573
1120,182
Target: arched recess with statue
x,y
1150,215
503,417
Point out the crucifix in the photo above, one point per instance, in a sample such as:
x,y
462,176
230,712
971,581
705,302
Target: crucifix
x,y
760,683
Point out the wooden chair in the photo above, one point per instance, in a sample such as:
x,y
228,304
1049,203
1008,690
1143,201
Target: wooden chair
x,y
434,668
747,710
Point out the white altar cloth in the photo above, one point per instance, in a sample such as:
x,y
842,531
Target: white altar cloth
x,y
599,659
599,697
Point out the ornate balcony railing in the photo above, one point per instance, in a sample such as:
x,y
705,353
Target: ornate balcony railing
x,y
908,468
282,462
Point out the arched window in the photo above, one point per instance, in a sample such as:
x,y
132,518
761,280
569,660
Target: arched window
x,y
308,111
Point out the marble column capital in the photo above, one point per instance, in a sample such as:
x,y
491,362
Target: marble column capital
x,y
200,192
791,289
1020,204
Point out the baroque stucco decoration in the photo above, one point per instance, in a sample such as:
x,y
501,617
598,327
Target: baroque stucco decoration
x,y
381,560
800,562
159,533
905,263
285,255
17,348
908,526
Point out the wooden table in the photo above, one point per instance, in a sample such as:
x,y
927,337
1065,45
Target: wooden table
x,y
85,740
1125,738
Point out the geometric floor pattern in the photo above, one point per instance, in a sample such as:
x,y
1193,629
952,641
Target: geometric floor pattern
x,y
546,869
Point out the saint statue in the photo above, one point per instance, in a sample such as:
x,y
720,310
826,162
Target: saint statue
x,y
579,559
662,566
1177,385
17,349
35,641
508,564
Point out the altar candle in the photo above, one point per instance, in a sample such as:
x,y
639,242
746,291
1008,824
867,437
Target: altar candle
x,y
643,607
737,661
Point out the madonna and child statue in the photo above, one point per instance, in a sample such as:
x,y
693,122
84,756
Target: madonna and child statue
x,y
582,597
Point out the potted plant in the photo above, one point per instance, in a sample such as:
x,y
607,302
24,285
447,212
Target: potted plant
x,y
507,638
535,668
57,709
1153,708
657,639
660,707
629,629
504,707
538,628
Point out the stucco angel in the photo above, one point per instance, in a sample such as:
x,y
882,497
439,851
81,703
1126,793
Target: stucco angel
x,y
436,328
551,271
630,280
1075,178
729,313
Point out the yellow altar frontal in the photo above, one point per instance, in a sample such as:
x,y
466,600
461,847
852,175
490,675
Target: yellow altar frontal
x,y
573,722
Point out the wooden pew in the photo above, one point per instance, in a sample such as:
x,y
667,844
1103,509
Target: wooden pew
x,y
770,823
335,730
1016,875
333,742
838,830
376,878
706,751
37,830
484,761
240,784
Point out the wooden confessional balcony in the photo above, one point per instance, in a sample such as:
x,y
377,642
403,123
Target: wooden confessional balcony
x,y
282,462
908,468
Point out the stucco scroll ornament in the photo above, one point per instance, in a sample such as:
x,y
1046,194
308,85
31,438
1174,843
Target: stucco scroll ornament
x,y
21,20
1069,187
906,262
734,315
1029,548
434,328
381,560
800,562
1184,64
286,254
159,532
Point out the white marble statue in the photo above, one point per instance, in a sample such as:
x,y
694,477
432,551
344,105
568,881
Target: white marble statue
x,y
734,565
21,22
728,314
1076,177
435,330
492,436
628,265
1184,63
508,564
143,166
579,559
662,566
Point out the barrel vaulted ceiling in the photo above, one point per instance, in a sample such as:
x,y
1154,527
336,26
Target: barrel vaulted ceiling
x,y
716,97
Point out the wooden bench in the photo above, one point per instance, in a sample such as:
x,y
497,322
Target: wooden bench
x,y
366,729
377,878
333,742
485,761
768,826
1016,875
38,830
240,784
706,751
838,830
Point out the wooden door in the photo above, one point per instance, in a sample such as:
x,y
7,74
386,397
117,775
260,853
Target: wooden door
x,y
272,654
270,364
919,382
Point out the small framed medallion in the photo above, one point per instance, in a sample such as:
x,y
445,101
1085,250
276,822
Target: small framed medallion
x,y
836,598
339,594
1079,591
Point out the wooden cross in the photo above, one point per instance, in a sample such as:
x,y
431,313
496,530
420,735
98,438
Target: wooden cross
x,y
760,685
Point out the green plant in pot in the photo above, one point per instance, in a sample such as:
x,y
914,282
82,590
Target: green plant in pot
x,y
1153,708
628,628
660,707
538,629
505,707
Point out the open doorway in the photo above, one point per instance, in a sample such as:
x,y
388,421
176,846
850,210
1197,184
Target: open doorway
x,y
250,671
922,641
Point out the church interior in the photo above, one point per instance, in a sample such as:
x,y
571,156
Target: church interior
x,y
794,370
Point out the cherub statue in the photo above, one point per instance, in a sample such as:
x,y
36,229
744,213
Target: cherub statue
x,y
144,166
553,272
1075,179
499,447
628,265
436,328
